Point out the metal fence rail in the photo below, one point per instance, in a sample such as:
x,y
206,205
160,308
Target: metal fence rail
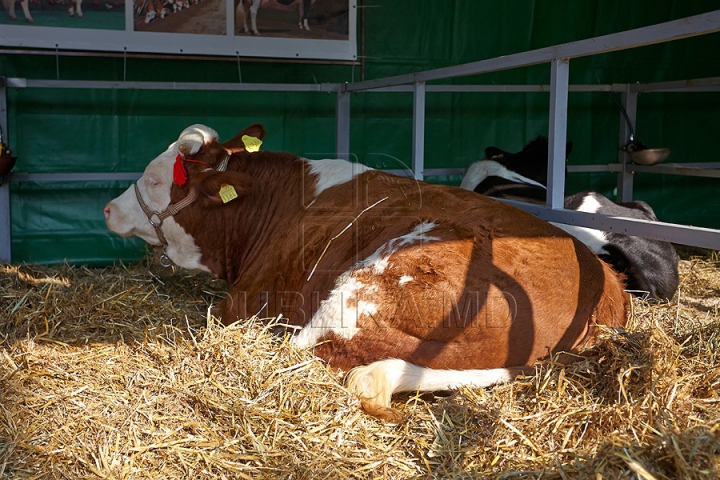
x,y
558,57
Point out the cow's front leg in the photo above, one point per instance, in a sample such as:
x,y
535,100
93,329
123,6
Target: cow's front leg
x,y
241,305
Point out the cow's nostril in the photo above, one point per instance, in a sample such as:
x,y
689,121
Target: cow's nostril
x,y
107,212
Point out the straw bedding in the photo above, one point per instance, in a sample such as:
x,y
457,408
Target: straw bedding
x,y
121,373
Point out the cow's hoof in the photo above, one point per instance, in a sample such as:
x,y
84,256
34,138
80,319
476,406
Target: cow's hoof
x,y
30,20
387,414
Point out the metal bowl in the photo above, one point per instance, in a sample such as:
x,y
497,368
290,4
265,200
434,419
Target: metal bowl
x,y
6,164
650,156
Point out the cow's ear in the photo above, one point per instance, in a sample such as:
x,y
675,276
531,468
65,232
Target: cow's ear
x,y
238,143
493,153
218,188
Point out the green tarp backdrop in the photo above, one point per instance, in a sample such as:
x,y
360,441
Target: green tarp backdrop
x,y
65,130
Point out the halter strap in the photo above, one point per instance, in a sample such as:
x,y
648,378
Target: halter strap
x,y
222,166
156,218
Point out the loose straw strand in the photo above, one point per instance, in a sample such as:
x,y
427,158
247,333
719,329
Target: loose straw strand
x,y
343,231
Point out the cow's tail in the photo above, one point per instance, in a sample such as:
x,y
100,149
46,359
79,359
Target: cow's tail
x,y
613,306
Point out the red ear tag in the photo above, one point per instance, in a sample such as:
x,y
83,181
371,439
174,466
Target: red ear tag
x,y
179,172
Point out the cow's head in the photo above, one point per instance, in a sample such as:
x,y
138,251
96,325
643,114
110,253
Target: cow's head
x,y
531,162
188,169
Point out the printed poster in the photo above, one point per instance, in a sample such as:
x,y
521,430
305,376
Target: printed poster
x,y
310,29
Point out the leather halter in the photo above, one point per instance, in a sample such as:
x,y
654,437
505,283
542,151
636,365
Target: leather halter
x,y
156,218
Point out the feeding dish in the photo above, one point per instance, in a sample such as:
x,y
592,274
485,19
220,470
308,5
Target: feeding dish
x,y
650,156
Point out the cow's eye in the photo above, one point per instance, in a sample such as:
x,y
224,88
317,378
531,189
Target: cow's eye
x,y
152,182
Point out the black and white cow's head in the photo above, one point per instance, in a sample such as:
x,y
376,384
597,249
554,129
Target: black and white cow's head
x,y
518,176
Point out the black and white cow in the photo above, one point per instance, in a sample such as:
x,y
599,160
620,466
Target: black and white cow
x,y
651,266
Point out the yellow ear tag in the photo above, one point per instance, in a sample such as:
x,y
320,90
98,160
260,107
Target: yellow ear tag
x,y
228,193
252,144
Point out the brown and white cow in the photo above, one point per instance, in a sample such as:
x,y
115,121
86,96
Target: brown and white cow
x,y
75,5
407,285
249,8
24,4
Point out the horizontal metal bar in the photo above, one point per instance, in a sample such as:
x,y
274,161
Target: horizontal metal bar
x,y
676,169
159,56
695,164
73,177
429,172
699,169
611,167
678,85
693,169
687,90
115,85
132,176
697,85
669,232
400,173
500,88
662,32
324,87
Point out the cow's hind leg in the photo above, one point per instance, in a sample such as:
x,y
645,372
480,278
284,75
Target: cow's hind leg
x,y
253,16
375,384
10,7
303,12
75,4
24,4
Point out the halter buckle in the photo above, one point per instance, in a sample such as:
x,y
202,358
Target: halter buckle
x,y
155,214
165,259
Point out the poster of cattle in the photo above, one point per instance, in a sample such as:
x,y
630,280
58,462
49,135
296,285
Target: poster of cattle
x,y
311,29
95,14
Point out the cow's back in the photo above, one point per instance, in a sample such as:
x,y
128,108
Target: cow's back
x,y
491,286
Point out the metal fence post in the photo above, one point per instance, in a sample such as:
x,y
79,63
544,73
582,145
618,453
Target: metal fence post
x,y
625,177
418,148
342,124
559,80
5,223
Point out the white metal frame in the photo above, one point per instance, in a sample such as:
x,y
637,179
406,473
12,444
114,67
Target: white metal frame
x,y
23,35
559,58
